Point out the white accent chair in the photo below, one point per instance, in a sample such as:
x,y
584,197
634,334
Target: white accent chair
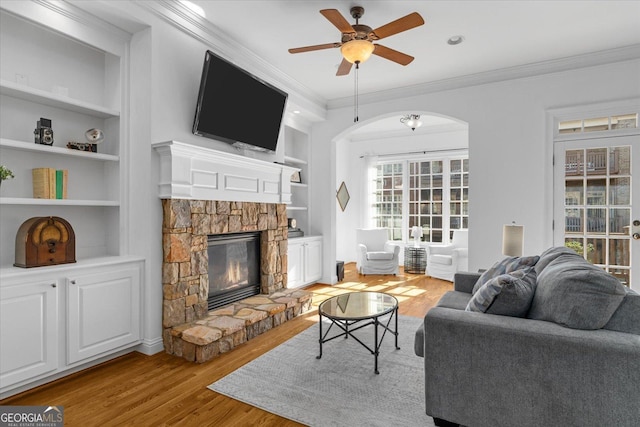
x,y
375,254
443,261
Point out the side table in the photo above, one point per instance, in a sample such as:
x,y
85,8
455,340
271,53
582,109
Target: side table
x,y
415,260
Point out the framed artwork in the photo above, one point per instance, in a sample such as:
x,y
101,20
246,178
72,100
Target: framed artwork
x,y
343,196
295,177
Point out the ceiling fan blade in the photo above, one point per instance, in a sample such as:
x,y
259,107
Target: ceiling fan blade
x,y
336,18
392,55
344,68
314,47
405,23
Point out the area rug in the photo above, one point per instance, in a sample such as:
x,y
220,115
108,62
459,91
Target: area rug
x,y
341,388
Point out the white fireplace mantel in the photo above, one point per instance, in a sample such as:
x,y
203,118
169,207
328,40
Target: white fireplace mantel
x,y
192,172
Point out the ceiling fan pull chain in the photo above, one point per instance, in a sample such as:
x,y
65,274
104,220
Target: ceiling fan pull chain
x,y
355,94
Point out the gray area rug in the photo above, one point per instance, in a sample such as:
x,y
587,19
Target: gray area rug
x,y
341,388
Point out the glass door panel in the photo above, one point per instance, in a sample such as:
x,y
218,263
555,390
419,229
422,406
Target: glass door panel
x,y
594,190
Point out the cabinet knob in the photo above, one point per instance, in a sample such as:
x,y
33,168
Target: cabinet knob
x,y
73,282
53,285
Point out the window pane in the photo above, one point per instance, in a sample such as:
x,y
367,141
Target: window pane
x,y
454,222
573,219
437,181
596,191
620,221
456,166
620,161
465,165
576,244
574,163
596,220
597,255
620,191
596,124
436,166
574,192
456,180
624,122
596,161
619,252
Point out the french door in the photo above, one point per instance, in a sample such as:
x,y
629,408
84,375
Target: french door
x,y
594,193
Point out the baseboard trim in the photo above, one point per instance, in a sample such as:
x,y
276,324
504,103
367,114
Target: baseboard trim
x,y
150,347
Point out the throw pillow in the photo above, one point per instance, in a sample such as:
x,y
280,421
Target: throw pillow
x,y
505,266
575,293
507,294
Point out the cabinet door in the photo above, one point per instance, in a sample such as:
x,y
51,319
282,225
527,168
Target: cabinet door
x,y
313,261
103,312
28,331
295,261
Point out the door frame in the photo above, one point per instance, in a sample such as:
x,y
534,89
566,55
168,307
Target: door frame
x,y
553,118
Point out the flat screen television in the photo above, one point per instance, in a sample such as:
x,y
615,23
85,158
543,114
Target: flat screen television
x,y
236,107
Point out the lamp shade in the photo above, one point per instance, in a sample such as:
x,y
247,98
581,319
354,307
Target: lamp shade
x,y
357,50
512,239
416,233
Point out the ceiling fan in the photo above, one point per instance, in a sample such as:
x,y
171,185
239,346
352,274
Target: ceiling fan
x,y
356,43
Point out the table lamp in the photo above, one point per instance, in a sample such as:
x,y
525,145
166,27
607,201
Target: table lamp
x,y
512,239
416,233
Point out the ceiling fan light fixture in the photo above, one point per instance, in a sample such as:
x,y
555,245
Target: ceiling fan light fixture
x,y
357,51
411,120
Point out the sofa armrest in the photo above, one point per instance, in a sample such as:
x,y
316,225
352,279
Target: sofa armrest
x,y
464,281
488,370
440,249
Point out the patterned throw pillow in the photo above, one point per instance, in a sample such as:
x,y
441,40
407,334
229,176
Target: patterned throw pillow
x,y
505,266
506,295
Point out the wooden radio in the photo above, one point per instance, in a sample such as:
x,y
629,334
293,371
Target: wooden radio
x,y
47,240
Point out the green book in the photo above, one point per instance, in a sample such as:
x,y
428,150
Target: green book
x,y
59,184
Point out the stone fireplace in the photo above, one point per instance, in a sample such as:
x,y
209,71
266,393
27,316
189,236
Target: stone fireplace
x,y
205,194
186,227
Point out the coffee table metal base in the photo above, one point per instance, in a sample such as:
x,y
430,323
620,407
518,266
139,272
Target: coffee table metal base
x,y
348,329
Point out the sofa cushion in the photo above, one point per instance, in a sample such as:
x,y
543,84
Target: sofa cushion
x,y
506,295
575,293
505,266
627,317
454,299
380,255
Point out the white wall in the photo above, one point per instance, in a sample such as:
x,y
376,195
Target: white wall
x,y
510,156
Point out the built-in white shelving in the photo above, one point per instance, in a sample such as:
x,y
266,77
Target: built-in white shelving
x,y
39,148
31,94
55,202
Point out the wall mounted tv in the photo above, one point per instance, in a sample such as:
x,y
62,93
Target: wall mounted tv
x,y
236,107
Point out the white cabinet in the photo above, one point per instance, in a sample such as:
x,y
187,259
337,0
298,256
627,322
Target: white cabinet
x,y
54,319
304,259
28,331
103,312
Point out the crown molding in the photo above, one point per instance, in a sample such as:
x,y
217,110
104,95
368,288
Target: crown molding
x,y
625,53
192,24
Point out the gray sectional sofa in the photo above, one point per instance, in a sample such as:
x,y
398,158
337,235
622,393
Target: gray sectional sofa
x,y
570,357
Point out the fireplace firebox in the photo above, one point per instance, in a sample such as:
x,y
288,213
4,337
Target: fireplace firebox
x,y
234,267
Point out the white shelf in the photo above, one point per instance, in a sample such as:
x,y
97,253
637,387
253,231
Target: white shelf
x,y
54,100
297,208
294,160
26,146
55,202
299,184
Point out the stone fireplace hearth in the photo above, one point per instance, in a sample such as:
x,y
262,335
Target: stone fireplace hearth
x,y
205,193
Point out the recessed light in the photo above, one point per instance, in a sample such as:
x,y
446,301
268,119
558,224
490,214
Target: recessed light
x,y
454,40
296,111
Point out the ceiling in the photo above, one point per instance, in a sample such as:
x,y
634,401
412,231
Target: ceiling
x,y
498,35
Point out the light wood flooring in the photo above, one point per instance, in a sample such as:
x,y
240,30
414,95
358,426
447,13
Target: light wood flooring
x,y
139,390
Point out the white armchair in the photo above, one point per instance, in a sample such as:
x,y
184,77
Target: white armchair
x,y
443,261
375,254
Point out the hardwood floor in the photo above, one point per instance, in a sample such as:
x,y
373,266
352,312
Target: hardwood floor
x,y
139,390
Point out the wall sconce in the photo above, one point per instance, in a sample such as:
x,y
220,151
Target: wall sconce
x,y
512,239
411,120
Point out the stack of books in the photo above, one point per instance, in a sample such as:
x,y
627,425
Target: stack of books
x,y
49,183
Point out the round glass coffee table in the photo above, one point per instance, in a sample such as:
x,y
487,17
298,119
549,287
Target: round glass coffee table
x,y
354,311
